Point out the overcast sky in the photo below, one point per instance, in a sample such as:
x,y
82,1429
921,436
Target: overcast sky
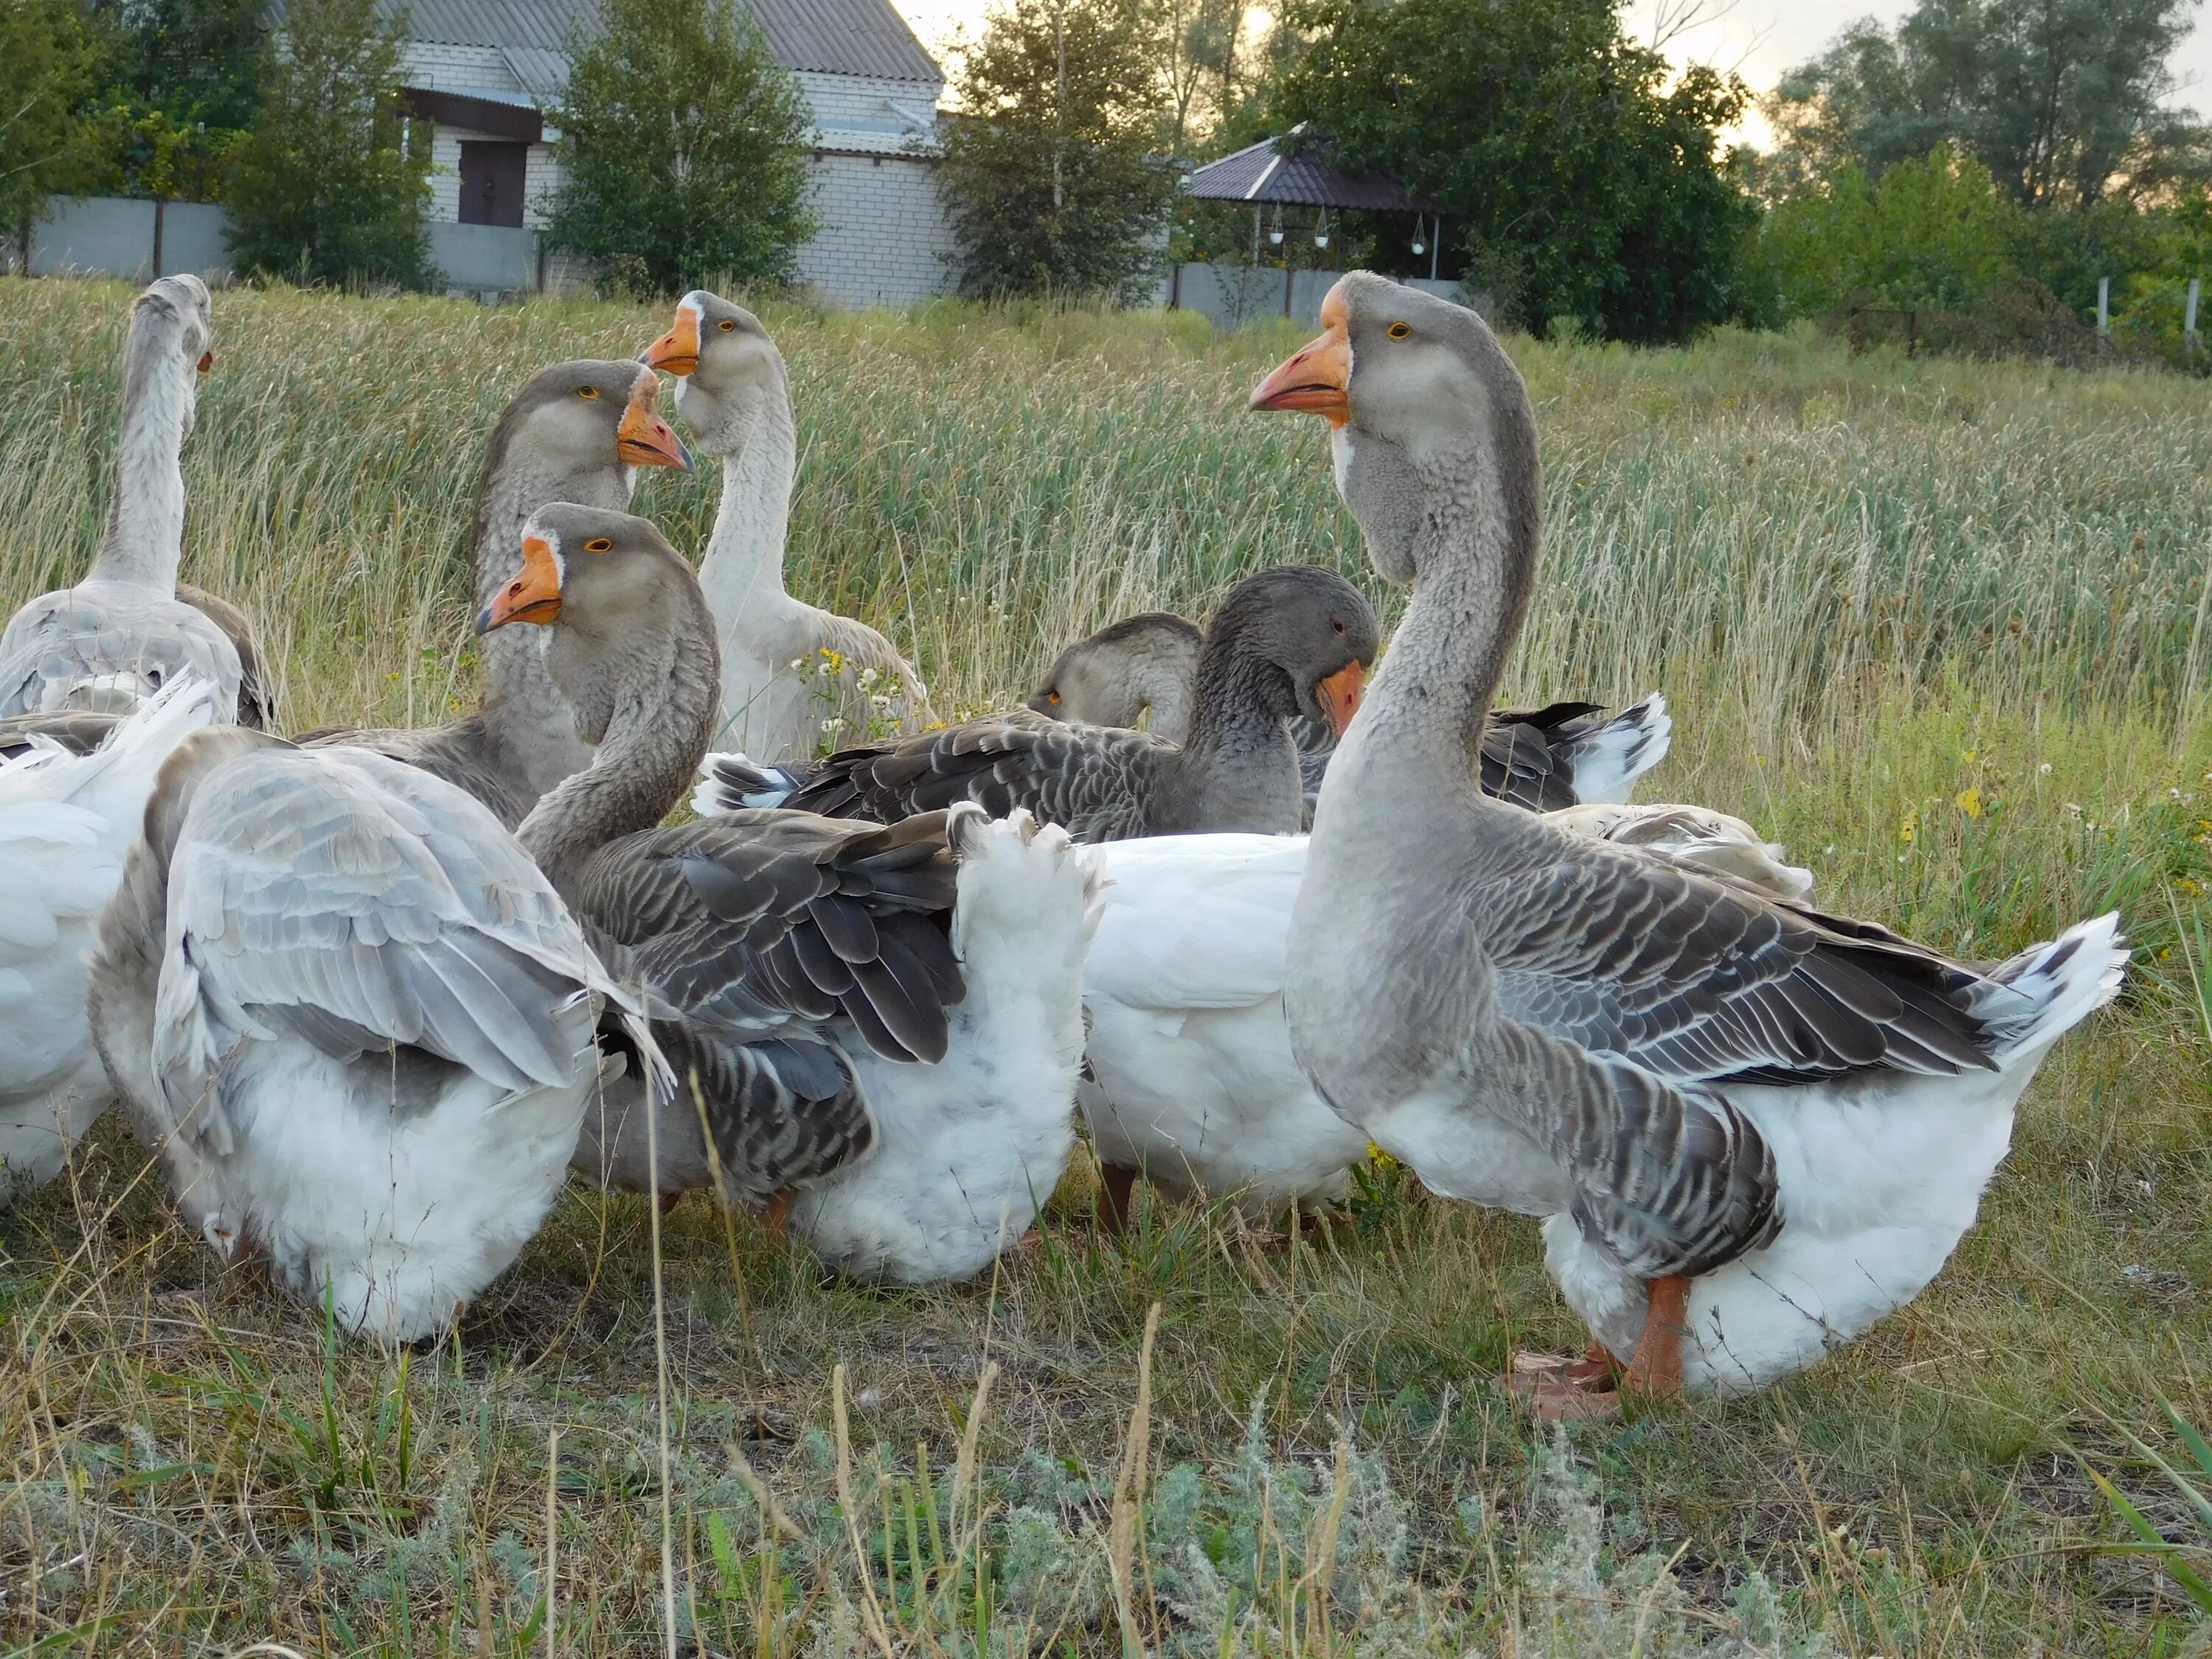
x,y
1758,38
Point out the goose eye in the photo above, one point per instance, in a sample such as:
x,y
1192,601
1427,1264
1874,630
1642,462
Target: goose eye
x,y
1338,627
728,326
588,393
1053,697
601,544
206,361
1400,331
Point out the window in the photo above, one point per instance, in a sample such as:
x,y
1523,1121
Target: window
x,y
491,182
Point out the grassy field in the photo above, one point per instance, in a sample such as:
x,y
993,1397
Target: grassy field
x,y
1941,626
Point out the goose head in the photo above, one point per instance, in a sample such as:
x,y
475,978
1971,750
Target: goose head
x,y
1426,412
623,606
730,376
1111,677
578,417
1309,627
171,344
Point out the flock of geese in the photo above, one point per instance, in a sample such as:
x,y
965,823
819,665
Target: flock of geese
x,y
371,997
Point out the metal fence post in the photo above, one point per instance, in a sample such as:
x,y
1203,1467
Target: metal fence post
x,y
2104,306
2189,320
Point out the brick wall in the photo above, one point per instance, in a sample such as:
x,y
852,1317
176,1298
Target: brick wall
x,y
883,231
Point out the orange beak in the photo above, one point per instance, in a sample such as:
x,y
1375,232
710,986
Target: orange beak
x,y
678,350
206,361
1318,380
1339,695
644,438
532,596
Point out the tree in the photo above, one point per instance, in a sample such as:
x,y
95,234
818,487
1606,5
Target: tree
x,y
1589,187
329,186
1051,180
1934,232
185,83
45,64
684,148
2060,99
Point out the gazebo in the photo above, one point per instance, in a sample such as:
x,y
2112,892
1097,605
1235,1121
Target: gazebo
x,y
1290,171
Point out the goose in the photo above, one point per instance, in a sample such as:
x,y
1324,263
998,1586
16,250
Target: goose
x,y
67,821
112,640
575,431
1750,1129
1293,641
883,1024
733,392
1545,759
1190,1078
354,1020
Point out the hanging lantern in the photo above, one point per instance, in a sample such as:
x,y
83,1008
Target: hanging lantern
x,y
1321,229
1421,239
1275,230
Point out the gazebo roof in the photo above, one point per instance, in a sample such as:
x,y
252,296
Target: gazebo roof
x,y
1286,170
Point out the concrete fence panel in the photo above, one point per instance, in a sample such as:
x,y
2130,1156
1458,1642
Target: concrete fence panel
x,y
1233,295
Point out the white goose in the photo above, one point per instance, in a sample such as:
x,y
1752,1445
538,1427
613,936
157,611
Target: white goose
x,y
734,394
1752,1130
66,823
113,639
354,1020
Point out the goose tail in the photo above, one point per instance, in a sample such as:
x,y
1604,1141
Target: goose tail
x,y
732,782
2059,984
1609,759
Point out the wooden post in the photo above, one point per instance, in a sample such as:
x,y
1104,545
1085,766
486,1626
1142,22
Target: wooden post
x,y
1290,276
2189,320
160,202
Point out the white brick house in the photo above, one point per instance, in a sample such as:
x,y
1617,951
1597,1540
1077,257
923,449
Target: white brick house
x,y
482,70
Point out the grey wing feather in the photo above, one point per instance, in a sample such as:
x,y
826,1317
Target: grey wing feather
x,y
257,683
340,894
63,646
1095,781
768,939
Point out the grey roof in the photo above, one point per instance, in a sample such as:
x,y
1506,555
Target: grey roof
x,y
1263,173
832,37
543,75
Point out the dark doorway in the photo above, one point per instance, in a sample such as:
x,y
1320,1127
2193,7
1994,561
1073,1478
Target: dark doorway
x,y
491,182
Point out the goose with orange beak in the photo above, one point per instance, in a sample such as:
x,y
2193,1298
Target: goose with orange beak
x,y
577,432
1750,1130
733,392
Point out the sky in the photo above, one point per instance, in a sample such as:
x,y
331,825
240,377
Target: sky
x,y
1759,39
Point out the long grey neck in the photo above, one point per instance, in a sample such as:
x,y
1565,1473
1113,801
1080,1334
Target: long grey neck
x,y
145,538
744,563
1419,731
664,703
636,776
1239,770
1170,698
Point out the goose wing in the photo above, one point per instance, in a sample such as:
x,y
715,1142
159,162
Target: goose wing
x,y
462,754
1703,980
358,904
1093,781
102,637
771,939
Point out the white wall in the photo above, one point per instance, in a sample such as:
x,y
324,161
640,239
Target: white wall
x,y
883,231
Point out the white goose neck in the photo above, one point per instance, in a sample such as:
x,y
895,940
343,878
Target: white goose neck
x,y
145,538
742,569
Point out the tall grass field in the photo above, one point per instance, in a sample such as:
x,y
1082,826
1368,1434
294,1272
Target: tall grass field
x,y
1942,627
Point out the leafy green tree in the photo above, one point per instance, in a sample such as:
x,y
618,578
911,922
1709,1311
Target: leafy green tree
x,y
329,186
1934,232
186,79
2060,99
684,148
1052,178
45,64
1585,171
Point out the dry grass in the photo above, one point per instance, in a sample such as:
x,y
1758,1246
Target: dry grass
x,y
1941,626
